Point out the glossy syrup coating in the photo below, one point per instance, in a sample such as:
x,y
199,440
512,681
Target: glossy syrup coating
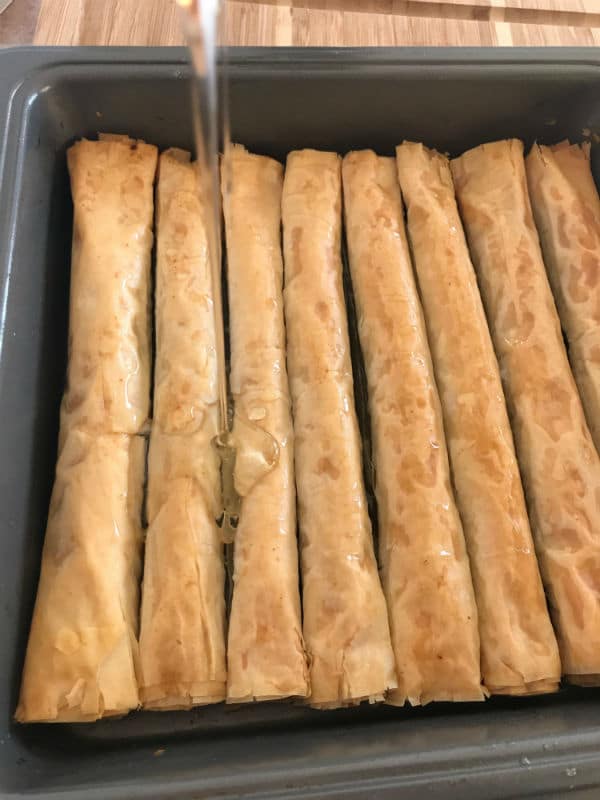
x,y
519,654
425,568
559,464
566,208
346,626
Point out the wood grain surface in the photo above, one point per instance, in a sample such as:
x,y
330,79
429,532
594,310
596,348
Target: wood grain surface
x,y
310,22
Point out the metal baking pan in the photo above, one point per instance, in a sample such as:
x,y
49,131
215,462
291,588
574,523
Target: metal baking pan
x,y
281,99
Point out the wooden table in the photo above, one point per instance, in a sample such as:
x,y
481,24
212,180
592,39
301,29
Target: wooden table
x,y
310,22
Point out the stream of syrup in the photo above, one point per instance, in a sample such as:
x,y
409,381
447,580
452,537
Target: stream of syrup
x,y
258,451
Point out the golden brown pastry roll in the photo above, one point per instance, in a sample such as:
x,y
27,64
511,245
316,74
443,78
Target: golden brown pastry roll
x,y
566,208
559,464
108,378
346,626
265,651
82,653
185,372
426,577
182,638
519,654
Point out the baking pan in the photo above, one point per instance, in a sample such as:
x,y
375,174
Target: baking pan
x,y
281,99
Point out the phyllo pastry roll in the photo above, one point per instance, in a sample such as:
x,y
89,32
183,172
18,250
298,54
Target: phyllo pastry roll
x,y
82,653
559,464
346,626
566,208
182,638
108,378
425,568
265,650
185,369
519,654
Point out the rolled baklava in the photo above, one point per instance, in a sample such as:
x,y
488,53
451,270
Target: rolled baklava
x,y
559,464
108,376
519,654
82,655
182,637
265,650
346,626
566,208
425,569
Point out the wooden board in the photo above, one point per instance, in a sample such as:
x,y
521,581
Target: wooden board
x,y
311,22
